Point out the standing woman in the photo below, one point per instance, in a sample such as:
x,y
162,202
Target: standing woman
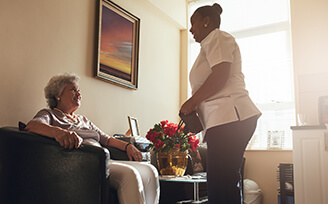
x,y
220,98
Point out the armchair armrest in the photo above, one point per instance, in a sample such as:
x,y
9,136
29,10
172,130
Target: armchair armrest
x,y
117,154
36,169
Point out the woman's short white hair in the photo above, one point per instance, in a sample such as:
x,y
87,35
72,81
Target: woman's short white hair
x,y
56,86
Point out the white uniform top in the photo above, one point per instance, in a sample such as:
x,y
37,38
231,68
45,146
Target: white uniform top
x,y
232,102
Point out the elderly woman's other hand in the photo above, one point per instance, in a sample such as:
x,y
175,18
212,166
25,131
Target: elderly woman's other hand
x,y
69,139
133,153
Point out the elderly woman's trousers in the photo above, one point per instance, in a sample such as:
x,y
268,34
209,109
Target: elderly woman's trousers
x,y
136,182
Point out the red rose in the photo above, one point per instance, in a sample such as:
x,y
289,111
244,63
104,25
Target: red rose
x,y
158,144
163,123
193,141
150,135
170,129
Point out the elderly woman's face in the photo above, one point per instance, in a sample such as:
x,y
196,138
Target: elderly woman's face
x,y
70,97
198,27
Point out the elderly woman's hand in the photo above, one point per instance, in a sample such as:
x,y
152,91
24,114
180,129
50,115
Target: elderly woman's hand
x,y
69,139
133,153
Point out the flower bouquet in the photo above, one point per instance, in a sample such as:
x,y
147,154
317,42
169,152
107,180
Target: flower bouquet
x,y
166,136
171,145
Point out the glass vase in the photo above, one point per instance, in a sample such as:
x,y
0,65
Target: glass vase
x,y
172,162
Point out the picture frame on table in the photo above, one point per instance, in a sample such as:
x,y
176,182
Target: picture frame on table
x,y
276,139
118,45
134,127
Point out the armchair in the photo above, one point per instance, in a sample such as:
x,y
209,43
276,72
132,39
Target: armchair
x,y
36,169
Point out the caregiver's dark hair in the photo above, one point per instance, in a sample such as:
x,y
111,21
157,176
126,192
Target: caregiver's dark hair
x,y
213,12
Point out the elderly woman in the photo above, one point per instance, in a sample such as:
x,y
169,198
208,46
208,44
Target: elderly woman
x,y
135,182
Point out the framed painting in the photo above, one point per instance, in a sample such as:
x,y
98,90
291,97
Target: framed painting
x,y
118,45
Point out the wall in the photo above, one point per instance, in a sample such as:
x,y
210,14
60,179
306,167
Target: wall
x,y
174,9
261,167
41,38
309,42
309,37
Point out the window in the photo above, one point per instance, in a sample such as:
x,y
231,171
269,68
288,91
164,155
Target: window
x,y
262,30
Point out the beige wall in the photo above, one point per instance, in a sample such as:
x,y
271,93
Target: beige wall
x,y
41,38
309,37
309,42
174,9
261,167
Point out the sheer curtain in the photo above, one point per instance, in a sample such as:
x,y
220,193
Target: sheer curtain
x,y
262,30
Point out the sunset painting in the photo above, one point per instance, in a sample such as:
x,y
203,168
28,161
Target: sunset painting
x,y
117,53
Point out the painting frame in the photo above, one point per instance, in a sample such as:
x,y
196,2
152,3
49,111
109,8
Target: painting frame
x,y
134,126
117,45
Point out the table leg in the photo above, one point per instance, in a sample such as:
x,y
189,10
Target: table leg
x,y
196,191
196,199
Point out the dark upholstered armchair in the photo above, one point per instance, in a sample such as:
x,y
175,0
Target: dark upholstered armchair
x,y
36,169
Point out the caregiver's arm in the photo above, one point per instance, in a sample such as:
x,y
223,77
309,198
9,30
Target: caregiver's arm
x,y
214,83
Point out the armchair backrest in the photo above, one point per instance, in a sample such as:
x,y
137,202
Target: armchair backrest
x,y
36,169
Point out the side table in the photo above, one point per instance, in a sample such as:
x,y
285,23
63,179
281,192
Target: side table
x,y
188,179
